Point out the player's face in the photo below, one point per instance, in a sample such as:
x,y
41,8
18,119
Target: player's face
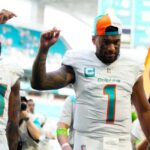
x,y
107,48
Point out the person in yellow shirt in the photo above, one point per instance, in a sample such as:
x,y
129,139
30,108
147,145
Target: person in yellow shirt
x,y
147,74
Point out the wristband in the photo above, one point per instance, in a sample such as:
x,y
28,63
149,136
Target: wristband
x,y
64,145
62,131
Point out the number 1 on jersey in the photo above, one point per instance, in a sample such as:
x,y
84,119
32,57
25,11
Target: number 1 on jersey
x,y
110,91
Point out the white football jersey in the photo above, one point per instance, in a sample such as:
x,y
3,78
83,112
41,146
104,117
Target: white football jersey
x,y
103,92
9,74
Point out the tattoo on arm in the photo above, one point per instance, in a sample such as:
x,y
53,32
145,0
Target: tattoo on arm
x,y
60,78
38,70
13,115
52,80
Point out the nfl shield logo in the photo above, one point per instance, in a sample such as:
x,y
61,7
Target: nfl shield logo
x,y
108,70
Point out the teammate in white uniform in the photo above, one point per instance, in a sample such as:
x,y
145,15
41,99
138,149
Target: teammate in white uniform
x,y
66,122
9,97
104,83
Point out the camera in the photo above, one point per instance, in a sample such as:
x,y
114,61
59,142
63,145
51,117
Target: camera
x,y
23,106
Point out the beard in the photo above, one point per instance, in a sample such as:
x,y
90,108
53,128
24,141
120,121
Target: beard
x,y
108,57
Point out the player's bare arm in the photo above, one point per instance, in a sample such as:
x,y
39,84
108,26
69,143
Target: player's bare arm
x,y
62,138
13,117
41,80
5,15
142,145
142,106
62,135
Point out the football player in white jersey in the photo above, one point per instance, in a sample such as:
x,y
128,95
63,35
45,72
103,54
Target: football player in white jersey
x,y
65,139
9,97
105,83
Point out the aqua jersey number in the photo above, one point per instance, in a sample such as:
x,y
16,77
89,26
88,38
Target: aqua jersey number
x,y
110,91
2,94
